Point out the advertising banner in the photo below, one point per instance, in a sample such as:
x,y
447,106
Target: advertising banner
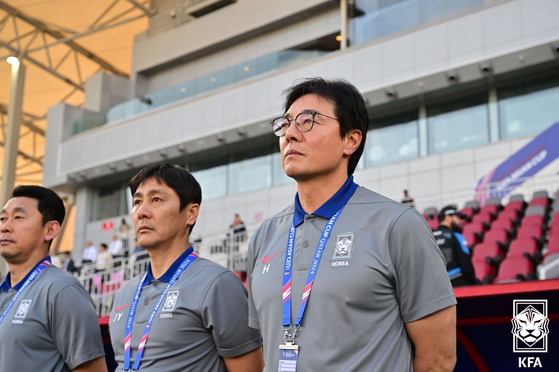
x,y
520,166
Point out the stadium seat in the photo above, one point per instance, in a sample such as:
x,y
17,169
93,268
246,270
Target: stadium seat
x,y
552,250
499,236
483,218
431,212
553,246
515,269
489,252
472,204
540,198
503,224
534,232
491,209
535,209
553,228
532,220
544,202
510,214
433,223
495,201
473,233
525,247
468,212
484,271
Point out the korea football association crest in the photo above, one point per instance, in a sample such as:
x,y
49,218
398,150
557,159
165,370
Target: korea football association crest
x,y
530,326
171,301
344,247
22,309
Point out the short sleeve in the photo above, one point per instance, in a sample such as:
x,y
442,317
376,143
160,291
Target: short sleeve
x,y
75,326
421,282
225,311
252,313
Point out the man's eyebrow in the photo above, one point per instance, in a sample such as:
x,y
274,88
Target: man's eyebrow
x,y
150,192
16,209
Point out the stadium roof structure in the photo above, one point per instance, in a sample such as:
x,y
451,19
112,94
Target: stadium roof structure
x,y
61,43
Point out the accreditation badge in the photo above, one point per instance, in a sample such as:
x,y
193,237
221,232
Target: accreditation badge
x,y
288,354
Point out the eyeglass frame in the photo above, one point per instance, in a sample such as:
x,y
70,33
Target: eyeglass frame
x,y
312,112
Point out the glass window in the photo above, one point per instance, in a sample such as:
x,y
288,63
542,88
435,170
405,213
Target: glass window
x,y
528,108
249,175
211,174
279,176
457,124
392,139
213,182
383,17
109,201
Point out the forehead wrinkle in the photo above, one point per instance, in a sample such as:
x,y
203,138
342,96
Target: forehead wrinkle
x,y
151,192
16,209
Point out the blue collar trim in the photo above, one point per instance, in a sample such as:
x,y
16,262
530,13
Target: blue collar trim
x,y
332,205
6,285
166,278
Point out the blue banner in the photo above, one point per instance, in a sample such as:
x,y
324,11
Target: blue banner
x,y
520,166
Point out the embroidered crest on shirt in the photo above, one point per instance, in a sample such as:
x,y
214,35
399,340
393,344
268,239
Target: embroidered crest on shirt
x,y
171,301
344,246
22,309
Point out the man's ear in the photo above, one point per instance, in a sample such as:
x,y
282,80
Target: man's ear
x,y
51,228
352,141
192,211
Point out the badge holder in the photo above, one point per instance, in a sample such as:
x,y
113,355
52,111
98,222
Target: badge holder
x,y
288,352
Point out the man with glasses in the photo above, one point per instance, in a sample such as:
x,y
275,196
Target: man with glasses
x,y
381,298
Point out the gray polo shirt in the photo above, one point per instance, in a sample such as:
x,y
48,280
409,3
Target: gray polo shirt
x,y
51,327
202,319
380,269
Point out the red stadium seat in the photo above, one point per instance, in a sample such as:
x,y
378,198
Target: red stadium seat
x,y
553,246
544,202
484,271
511,215
525,247
484,218
491,209
534,232
503,224
516,206
499,236
469,212
532,220
488,252
433,223
515,269
553,229
473,233
552,253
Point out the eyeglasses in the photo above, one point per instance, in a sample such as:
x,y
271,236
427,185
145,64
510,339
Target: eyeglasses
x,y
303,122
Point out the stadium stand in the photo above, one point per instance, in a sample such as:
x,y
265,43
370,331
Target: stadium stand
x,y
513,241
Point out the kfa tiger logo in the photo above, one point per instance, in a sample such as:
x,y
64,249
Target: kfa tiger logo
x,y
170,303
530,326
343,249
23,308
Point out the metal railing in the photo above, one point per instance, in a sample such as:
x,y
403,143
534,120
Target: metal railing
x,y
102,285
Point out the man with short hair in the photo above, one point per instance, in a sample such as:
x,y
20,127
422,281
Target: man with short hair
x,y
454,247
115,247
381,299
89,253
47,319
194,310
